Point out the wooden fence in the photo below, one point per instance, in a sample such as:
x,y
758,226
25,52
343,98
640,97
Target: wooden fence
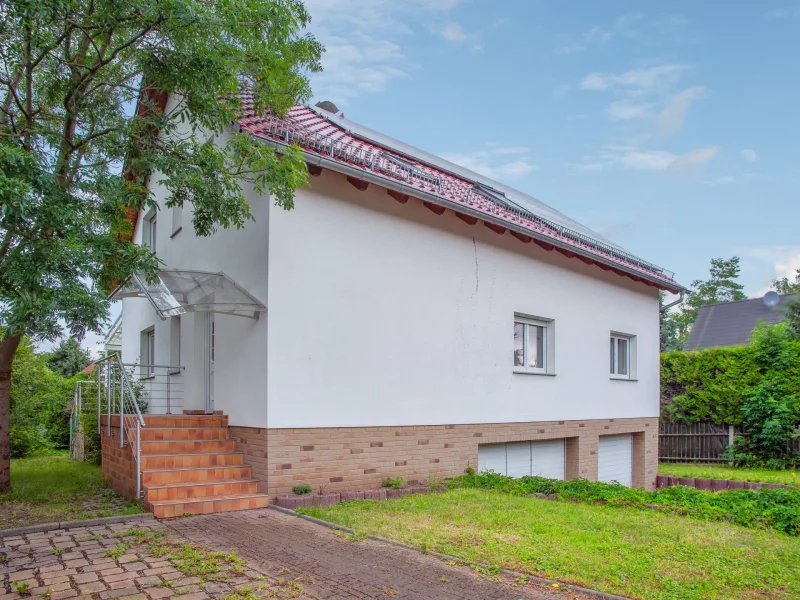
x,y
693,442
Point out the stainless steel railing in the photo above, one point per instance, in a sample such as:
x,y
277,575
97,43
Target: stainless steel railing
x,y
127,391
160,387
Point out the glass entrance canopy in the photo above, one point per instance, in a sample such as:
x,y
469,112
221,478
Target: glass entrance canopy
x,y
178,292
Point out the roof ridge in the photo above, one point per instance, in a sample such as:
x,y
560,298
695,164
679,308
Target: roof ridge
x,y
363,153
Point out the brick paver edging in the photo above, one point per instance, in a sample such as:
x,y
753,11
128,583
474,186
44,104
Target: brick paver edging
x,y
73,524
448,557
717,485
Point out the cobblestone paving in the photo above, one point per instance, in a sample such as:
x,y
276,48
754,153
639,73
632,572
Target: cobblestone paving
x,y
332,566
101,563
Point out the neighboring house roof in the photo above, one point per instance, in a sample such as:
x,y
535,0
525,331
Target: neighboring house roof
x,y
731,323
89,369
366,155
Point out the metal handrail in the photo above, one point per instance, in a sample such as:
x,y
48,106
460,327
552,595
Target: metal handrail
x,y
128,407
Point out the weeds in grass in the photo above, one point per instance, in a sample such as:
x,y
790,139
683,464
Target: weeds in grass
x,y
443,579
118,551
21,587
393,482
356,536
522,579
3,559
777,509
387,591
90,538
58,551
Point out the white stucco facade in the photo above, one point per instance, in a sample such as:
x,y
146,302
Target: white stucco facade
x,y
381,313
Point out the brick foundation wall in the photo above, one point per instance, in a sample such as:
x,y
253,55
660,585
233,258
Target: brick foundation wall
x,y
118,465
351,458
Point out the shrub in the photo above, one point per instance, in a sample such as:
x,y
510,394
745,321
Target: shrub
x,y
394,483
777,509
302,489
714,384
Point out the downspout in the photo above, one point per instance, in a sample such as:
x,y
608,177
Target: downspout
x,y
671,304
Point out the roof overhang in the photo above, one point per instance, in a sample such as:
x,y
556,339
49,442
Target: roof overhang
x,y
546,241
175,292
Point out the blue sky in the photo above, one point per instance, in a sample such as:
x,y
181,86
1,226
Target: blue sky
x,y
671,127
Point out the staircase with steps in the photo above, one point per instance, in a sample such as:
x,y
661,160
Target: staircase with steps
x,y
190,466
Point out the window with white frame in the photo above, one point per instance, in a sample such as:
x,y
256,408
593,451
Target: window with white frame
x,y
150,230
149,352
177,218
533,345
622,357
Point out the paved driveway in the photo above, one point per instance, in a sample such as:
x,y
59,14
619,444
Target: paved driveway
x,y
284,545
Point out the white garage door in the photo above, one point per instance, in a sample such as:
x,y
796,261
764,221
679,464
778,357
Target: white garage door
x,y
516,459
615,459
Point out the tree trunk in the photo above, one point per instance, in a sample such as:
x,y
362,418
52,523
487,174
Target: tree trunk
x,y
8,348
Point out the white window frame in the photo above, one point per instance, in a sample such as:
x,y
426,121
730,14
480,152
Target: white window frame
x,y
175,345
148,352
630,359
548,334
150,233
177,220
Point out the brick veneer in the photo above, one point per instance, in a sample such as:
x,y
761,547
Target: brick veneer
x,y
360,457
118,464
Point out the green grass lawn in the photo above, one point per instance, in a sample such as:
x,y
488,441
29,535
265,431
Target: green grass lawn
x,y
626,551
57,488
727,472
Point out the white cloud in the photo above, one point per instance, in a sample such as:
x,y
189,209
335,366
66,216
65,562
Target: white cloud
x,y
453,32
693,160
642,80
560,91
787,12
364,42
631,157
748,154
671,119
625,110
774,262
596,35
493,162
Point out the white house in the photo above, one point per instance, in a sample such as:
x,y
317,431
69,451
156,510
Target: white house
x,y
408,318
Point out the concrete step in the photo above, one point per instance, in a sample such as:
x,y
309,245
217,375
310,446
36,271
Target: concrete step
x,y
165,509
189,461
156,477
176,434
193,491
189,447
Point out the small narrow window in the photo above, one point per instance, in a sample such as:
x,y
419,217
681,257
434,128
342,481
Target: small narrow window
x,y
175,345
177,217
150,230
620,356
531,345
151,352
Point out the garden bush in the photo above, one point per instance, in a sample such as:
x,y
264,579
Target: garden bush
x,y
756,387
777,509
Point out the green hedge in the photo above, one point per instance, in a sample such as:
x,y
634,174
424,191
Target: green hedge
x,y
713,384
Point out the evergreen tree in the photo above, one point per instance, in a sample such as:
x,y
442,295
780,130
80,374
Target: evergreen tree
x,y
69,358
721,286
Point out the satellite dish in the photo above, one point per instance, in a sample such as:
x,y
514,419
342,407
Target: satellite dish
x,y
771,299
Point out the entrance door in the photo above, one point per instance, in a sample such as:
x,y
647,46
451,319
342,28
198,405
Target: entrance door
x,y
210,335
